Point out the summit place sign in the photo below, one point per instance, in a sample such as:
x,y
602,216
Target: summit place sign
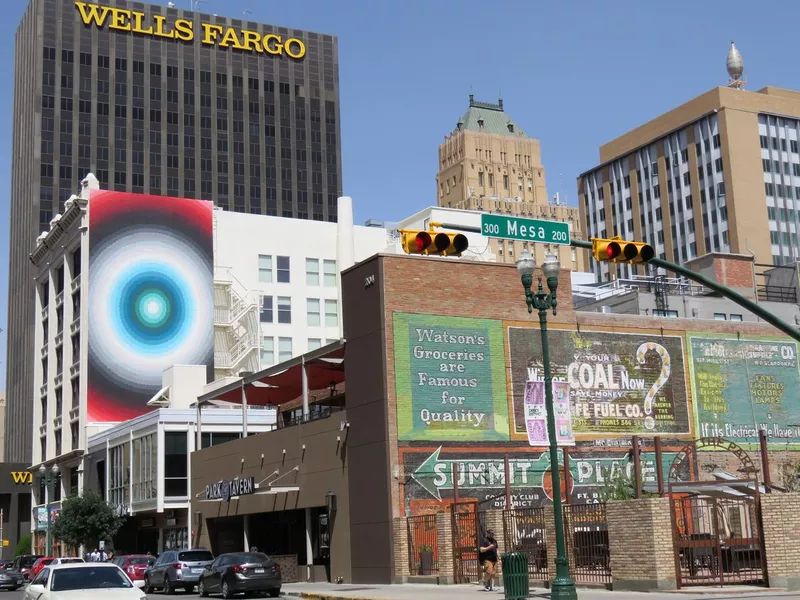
x,y
210,34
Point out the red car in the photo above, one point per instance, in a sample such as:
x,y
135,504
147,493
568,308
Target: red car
x,y
40,564
135,565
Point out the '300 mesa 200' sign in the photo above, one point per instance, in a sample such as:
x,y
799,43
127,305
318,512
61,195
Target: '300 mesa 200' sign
x,y
225,489
122,19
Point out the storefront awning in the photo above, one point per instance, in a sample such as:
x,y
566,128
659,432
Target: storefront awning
x,y
284,382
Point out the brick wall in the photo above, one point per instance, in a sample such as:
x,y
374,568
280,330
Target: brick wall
x,y
642,556
400,549
781,519
444,533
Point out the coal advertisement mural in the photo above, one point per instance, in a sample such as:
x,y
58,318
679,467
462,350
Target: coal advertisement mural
x,y
450,379
481,476
619,383
743,385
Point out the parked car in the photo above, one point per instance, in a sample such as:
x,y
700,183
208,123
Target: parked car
x,y
11,580
38,565
241,573
22,564
135,566
82,581
177,569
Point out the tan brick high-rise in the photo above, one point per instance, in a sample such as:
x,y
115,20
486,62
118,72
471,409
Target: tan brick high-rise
x,y
720,173
488,163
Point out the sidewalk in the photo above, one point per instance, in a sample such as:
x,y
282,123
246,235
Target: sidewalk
x,y
327,591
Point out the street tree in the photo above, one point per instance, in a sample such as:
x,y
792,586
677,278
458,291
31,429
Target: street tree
x,y
85,520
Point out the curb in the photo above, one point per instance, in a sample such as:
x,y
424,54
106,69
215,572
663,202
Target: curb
x,y
325,596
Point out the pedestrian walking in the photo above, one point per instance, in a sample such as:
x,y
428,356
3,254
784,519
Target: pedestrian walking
x,y
488,557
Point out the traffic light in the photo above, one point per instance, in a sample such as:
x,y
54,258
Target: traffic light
x,y
618,250
430,243
416,242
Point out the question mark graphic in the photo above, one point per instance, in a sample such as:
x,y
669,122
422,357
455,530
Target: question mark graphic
x,y
666,368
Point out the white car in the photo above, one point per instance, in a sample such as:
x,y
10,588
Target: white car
x,y
65,560
82,581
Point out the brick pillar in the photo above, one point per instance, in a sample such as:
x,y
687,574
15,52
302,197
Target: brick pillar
x,y
640,545
550,540
780,514
444,541
494,521
400,549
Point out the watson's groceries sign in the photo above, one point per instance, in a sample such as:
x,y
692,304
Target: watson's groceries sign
x,y
211,34
619,383
450,378
741,386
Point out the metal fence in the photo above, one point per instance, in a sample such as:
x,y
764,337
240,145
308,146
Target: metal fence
x,y
423,545
468,529
718,541
586,534
524,531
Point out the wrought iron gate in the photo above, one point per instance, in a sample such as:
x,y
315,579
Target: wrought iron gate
x,y
468,528
524,531
717,538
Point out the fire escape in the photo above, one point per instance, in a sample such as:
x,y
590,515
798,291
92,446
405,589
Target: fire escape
x,y
237,330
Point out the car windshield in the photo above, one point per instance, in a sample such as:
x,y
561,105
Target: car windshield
x,y
195,556
251,557
88,579
143,560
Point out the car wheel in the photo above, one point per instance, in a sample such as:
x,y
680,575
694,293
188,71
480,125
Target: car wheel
x,y
168,587
189,589
201,589
275,593
226,590
147,589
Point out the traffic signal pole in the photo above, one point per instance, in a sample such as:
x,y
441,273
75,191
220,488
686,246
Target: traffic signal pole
x,y
745,303
753,307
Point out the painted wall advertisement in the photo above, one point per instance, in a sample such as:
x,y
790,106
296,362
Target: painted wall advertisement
x,y
481,476
743,385
619,383
450,378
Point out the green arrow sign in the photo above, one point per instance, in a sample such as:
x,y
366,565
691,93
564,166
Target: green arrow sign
x,y
436,474
527,230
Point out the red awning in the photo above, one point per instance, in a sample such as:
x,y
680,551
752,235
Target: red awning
x,y
270,387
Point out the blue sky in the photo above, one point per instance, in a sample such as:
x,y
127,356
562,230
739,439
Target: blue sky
x,y
574,74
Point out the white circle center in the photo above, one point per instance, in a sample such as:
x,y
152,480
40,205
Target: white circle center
x,y
153,308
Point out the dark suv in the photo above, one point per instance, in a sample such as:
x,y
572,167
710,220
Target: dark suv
x,y
177,569
23,564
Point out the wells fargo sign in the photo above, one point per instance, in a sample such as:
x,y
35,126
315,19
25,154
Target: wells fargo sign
x,y
211,34
22,477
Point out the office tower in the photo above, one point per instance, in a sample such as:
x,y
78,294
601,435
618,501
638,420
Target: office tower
x,y
489,164
158,100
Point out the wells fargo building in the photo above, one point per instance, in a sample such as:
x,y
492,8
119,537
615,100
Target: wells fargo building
x,y
163,101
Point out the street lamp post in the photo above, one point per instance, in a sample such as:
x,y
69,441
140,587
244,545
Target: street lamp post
x,y
562,587
50,477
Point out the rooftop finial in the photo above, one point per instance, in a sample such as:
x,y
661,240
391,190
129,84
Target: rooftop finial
x,y
735,65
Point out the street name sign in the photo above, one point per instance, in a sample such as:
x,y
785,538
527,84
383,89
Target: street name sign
x,y
527,230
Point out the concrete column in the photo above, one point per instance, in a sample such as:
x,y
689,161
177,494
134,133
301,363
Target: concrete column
x,y
309,547
304,384
444,540
198,440
244,412
640,545
246,530
400,550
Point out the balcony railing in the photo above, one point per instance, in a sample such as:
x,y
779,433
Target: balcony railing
x,y
776,293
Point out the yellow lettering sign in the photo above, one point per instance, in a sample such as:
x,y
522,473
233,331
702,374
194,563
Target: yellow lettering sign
x,y
22,477
121,19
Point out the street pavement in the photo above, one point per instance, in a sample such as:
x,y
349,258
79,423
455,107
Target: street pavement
x,y
459,592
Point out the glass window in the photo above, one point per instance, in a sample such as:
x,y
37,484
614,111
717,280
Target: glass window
x,y
283,269
312,271
314,343
144,468
175,464
735,317
264,268
720,316
267,352
266,313
284,308
312,311
284,349
331,313
329,268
